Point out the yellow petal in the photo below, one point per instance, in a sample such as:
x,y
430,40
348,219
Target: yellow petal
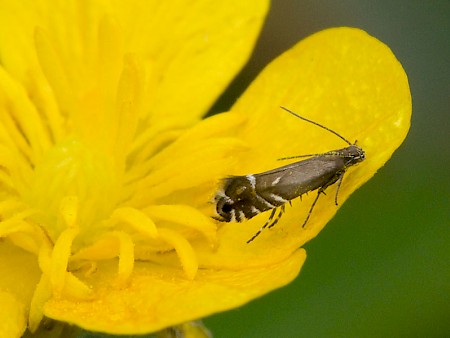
x,y
196,48
189,48
157,298
12,312
186,216
342,78
19,276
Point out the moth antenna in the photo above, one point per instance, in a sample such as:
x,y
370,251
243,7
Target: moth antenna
x,y
317,124
309,155
297,156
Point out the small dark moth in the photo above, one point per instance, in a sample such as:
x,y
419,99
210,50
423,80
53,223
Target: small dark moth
x,y
243,197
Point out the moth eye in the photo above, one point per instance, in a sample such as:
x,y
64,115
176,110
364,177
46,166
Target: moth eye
x,y
226,208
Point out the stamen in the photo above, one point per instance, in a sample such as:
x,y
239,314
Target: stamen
x,y
21,123
166,179
22,233
45,104
126,257
110,57
187,216
145,225
54,71
43,290
26,240
44,256
10,134
104,248
41,295
185,252
60,258
128,103
27,236
137,219
13,225
113,244
76,289
148,151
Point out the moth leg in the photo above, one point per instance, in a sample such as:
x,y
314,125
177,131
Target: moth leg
x,y
337,188
269,220
321,191
278,217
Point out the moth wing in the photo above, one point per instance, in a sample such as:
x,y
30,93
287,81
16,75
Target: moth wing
x,y
293,180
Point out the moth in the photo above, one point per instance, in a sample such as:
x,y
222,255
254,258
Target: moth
x,y
243,197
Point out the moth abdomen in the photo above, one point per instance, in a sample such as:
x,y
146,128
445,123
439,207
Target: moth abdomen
x,y
238,200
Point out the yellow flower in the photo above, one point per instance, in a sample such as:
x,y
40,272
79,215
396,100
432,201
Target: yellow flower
x,y
107,170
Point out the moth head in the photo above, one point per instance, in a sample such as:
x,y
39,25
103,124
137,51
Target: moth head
x,y
355,154
224,207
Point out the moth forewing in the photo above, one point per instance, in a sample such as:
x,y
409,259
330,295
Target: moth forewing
x,y
243,197
294,180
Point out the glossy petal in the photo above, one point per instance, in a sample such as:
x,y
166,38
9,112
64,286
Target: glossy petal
x,y
342,78
13,315
189,49
19,275
155,296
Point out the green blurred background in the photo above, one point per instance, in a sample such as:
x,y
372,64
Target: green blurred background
x,y
381,267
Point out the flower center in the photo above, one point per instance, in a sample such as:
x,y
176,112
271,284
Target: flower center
x,y
72,168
